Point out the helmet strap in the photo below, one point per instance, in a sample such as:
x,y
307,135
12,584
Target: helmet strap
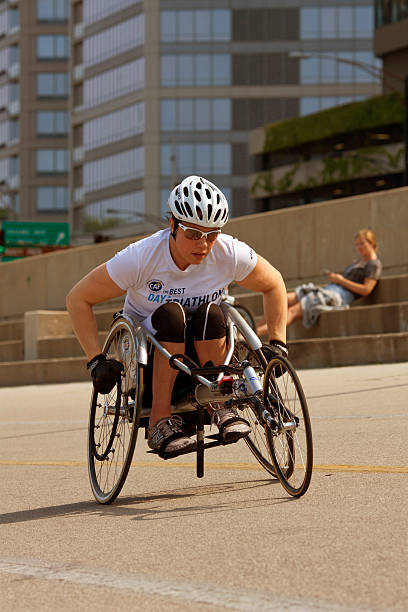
x,y
175,226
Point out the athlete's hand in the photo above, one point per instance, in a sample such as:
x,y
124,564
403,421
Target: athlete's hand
x,y
105,373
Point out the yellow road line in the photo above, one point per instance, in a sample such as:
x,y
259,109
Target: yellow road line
x,y
386,469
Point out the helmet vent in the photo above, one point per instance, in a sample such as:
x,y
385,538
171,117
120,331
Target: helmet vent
x,y
209,211
217,214
178,207
197,196
208,193
199,212
199,185
185,191
188,209
218,198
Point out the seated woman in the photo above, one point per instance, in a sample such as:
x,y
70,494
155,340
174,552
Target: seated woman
x,y
308,301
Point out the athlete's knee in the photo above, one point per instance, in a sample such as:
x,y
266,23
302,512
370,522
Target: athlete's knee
x,y
169,322
209,322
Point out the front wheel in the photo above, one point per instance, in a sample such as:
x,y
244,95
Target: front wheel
x,y
290,441
114,418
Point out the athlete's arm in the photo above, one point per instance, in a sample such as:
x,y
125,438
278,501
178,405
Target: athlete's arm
x,y
268,280
95,287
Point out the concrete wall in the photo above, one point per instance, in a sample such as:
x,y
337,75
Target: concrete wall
x,y
299,241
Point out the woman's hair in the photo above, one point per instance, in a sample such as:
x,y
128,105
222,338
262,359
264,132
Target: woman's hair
x,y
368,235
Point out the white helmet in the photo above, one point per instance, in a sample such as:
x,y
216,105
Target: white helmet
x,y
198,201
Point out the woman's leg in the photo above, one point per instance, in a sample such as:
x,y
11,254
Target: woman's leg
x,y
292,298
295,313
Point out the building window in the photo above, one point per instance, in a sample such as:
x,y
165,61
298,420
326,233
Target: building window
x,y
52,47
52,161
52,10
51,199
115,126
390,11
314,104
52,123
9,132
9,56
195,114
114,169
129,207
52,85
336,22
195,70
112,41
333,70
9,20
195,25
211,158
114,83
94,10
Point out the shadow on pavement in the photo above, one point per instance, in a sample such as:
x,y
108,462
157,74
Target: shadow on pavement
x,y
159,511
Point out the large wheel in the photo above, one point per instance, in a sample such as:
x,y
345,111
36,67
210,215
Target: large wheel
x,y
114,418
291,441
258,441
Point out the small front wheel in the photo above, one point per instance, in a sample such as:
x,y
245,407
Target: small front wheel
x,y
291,440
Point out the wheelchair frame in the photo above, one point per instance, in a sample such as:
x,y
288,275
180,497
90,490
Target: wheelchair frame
x,y
245,389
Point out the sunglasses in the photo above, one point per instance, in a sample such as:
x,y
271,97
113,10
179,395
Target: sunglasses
x,y
195,234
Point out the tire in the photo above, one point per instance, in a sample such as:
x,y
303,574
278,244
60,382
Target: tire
x,y
291,443
114,418
247,314
258,441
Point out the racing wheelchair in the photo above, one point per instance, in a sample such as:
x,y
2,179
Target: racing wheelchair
x,y
262,388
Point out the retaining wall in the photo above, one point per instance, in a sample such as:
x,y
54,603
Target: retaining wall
x,y
299,241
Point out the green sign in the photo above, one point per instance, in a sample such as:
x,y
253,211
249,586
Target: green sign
x,y
31,233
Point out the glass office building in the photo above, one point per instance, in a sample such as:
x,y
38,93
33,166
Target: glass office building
x,y
162,89
391,42
34,120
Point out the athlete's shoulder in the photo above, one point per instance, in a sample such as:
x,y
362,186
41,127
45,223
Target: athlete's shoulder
x,y
149,242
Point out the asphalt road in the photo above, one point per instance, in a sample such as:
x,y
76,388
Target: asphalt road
x,y
233,540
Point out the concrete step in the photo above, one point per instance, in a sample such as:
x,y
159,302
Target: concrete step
x,y
389,289
53,347
305,354
11,350
11,329
43,371
349,350
357,320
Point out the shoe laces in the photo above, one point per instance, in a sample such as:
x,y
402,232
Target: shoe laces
x,y
170,425
219,412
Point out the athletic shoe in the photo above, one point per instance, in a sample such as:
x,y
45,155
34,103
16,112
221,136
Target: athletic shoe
x,y
231,426
168,439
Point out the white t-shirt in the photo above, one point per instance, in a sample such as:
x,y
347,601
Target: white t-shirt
x,y
147,272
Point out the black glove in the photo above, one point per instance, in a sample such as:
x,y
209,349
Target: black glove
x,y
278,349
105,373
